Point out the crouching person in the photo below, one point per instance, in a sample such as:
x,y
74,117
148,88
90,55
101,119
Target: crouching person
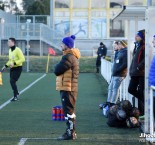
x,y
67,71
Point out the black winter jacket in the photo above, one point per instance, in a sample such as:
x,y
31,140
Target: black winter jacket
x,y
120,64
102,51
138,60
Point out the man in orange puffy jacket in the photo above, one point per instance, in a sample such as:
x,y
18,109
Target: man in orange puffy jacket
x,y
67,71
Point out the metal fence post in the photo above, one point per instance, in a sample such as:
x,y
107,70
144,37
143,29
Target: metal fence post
x,y
40,37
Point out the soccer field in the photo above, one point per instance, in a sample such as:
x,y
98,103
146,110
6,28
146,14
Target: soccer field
x,y
29,122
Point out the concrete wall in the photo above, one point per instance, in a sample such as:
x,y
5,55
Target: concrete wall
x,y
35,47
87,47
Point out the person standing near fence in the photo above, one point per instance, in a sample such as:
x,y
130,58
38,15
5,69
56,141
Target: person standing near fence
x,y
67,71
152,74
16,59
119,72
101,52
137,70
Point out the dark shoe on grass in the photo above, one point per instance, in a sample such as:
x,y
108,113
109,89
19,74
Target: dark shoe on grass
x,y
14,99
65,136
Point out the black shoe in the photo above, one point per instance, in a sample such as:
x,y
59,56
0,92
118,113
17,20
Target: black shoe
x,y
65,136
14,99
97,70
111,104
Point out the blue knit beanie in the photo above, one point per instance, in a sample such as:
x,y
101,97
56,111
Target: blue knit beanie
x,y
140,34
69,41
154,36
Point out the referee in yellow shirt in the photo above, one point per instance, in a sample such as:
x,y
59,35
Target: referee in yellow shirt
x,y
16,59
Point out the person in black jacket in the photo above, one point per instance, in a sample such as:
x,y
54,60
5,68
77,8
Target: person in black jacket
x,y
67,72
119,72
137,70
101,52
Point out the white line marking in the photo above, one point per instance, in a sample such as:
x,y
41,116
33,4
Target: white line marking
x,y
22,141
21,92
40,138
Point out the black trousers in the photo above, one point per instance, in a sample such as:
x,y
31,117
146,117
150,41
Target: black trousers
x,y
136,88
14,76
98,61
68,100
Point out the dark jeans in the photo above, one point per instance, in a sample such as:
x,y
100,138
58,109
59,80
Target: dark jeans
x,y
136,88
68,100
14,76
98,61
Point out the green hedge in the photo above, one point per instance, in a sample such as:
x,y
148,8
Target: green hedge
x,y
38,63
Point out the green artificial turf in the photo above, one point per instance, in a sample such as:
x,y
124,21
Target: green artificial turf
x,y
30,117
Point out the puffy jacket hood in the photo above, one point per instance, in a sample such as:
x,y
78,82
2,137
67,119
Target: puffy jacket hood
x,y
74,51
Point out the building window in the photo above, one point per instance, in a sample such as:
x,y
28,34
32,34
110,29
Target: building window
x,y
80,13
62,25
62,14
80,5
62,4
98,28
117,28
135,3
98,4
80,27
95,13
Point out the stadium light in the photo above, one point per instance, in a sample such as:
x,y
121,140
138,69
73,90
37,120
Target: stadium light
x,y
28,44
2,33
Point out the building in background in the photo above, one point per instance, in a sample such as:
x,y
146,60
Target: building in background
x,y
90,19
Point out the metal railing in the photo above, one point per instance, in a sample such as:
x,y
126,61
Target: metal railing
x,y
51,36
30,31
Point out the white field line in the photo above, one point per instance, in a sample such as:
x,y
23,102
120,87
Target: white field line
x,y
23,140
21,92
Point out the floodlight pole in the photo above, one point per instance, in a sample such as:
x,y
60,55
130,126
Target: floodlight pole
x,y
51,13
2,34
28,45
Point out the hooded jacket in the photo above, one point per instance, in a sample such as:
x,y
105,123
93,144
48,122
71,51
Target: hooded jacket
x,y
138,60
67,71
120,63
152,73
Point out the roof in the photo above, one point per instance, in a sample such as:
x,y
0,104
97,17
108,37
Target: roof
x,y
131,13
